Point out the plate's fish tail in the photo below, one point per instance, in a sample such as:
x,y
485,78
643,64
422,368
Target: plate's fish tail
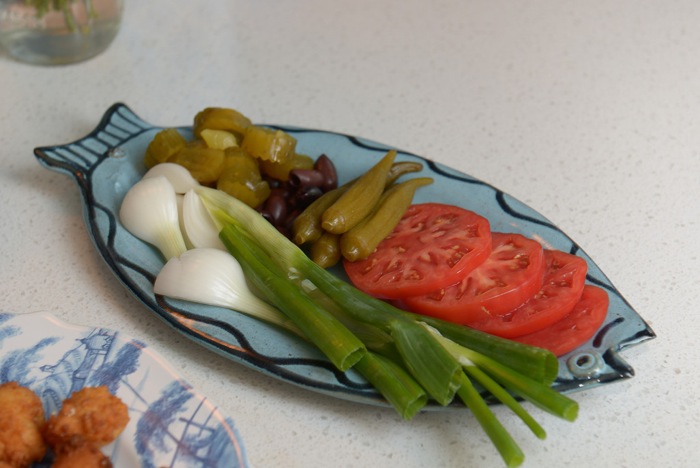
x,y
79,158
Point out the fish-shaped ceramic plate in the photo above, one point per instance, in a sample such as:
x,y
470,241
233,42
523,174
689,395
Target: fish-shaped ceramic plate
x,y
170,424
108,161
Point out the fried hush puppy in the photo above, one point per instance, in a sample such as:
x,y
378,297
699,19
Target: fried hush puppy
x,y
89,419
21,423
91,416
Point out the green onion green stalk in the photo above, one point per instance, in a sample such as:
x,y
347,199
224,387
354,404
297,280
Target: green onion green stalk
x,y
409,357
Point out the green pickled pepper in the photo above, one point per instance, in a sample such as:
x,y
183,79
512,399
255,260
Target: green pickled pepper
x,y
401,168
307,226
325,251
360,241
359,200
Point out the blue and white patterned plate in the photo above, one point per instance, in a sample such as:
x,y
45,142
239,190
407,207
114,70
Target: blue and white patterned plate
x,y
170,424
108,161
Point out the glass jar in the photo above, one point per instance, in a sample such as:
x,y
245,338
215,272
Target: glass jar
x,y
57,32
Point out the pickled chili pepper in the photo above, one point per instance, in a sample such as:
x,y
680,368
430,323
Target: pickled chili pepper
x,y
307,226
359,199
164,145
401,168
359,242
325,251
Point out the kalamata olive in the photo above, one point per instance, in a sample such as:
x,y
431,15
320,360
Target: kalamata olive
x,y
266,215
302,178
303,198
282,190
289,220
276,208
330,176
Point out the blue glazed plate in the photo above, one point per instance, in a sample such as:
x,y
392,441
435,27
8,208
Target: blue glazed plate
x,y
108,161
170,424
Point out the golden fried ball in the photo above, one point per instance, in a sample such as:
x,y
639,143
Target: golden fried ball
x,y
91,416
21,422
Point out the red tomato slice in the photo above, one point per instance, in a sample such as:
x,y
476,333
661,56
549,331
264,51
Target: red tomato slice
x,y
433,246
511,275
564,278
575,328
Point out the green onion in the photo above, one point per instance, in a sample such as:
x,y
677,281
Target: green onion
x,y
392,381
427,361
396,385
501,439
537,393
407,358
431,365
540,395
506,398
489,384
439,364
321,328
149,211
537,363
214,277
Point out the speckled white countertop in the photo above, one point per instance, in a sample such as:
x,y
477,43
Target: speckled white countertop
x,y
589,112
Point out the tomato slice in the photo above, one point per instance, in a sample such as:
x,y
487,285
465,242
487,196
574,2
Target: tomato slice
x,y
512,274
564,278
575,328
433,246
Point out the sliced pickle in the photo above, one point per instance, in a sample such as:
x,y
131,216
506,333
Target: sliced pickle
x,y
205,164
268,144
218,139
251,193
280,171
221,118
241,178
164,145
